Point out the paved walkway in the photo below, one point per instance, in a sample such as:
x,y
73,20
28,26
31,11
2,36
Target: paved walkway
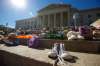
x,y
84,59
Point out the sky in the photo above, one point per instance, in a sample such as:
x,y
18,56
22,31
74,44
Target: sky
x,y
12,10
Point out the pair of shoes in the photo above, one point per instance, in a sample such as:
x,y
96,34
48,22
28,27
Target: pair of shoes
x,y
53,53
57,50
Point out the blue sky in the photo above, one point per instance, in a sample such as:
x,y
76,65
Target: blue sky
x,y
9,13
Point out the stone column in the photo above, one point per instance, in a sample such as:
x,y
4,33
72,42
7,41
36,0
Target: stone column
x,y
38,23
68,17
42,21
61,19
43,17
55,20
45,21
49,21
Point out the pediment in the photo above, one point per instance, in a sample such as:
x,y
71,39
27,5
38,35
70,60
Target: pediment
x,y
53,6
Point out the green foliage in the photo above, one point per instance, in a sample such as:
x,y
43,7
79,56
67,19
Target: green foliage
x,y
54,36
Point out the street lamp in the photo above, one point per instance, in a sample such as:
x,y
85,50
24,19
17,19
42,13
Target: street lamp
x,y
75,17
7,28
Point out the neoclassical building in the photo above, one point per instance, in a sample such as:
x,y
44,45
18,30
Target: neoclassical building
x,y
61,15
56,15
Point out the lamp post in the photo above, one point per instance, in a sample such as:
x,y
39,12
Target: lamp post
x,y
75,17
7,28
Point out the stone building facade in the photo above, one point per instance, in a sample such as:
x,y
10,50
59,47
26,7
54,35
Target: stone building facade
x,y
56,15
61,15
25,24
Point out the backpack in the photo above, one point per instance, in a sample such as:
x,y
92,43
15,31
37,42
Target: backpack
x,y
33,42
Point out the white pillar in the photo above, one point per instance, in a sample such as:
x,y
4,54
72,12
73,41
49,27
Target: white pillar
x,y
55,20
61,19
39,21
43,19
49,21
68,17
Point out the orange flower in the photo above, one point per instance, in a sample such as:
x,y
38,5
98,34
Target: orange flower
x,y
24,36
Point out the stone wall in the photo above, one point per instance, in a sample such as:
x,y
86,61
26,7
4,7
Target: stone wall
x,y
24,56
75,45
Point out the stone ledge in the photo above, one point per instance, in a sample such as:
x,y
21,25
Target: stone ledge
x,y
10,59
24,56
74,45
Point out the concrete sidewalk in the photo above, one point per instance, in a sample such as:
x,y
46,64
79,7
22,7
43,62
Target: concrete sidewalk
x,y
84,59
